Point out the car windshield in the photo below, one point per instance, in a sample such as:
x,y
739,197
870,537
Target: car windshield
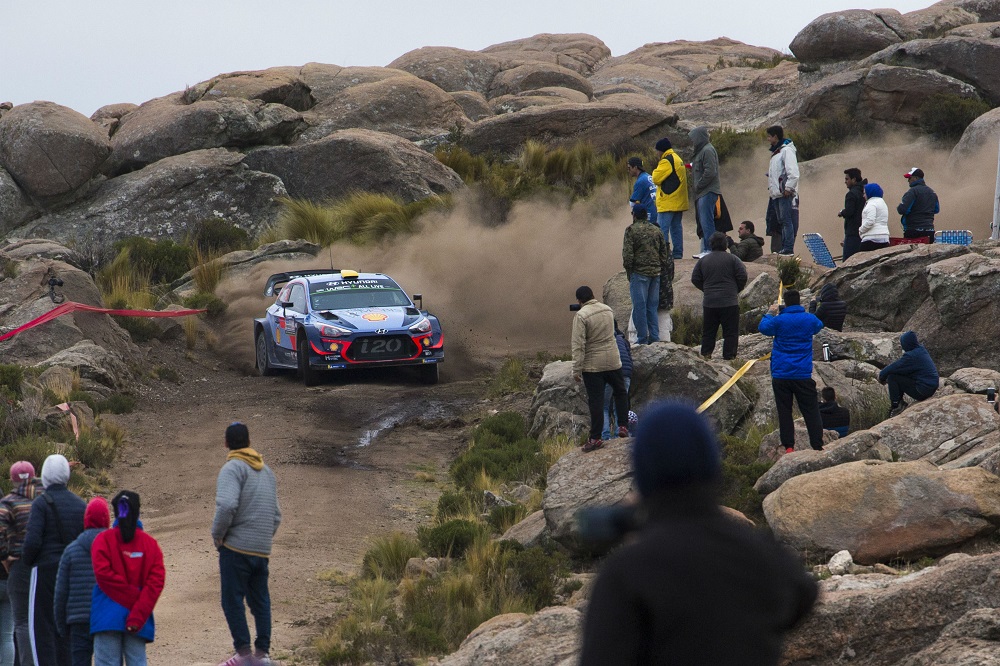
x,y
362,296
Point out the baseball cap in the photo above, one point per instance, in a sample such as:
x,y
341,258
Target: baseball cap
x,y
914,171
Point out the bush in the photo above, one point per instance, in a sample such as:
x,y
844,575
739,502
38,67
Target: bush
x,y
33,448
829,135
688,322
450,539
214,236
509,426
502,518
11,377
945,116
78,395
206,272
500,459
163,261
536,572
733,144
512,378
740,471
388,555
454,504
214,306
95,450
117,403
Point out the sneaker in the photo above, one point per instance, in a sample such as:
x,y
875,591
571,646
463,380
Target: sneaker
x,y
699,255
593,445
790,450
898,409
623,432
262,659
786,254
237,660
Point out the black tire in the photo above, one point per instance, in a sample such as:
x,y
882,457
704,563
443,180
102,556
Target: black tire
x,y
429,373
263,362
307,374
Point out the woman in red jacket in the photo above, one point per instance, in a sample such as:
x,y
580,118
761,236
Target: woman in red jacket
x,y
128,566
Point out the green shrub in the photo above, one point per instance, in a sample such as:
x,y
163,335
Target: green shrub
x,y
734,144
79,395
117,403
453,503
501,459
302,219
512,378
388,555
95,450
215,306
11,377
829,135
450,539
140,329
688,322
163,260
502,518
537,571
509,426
945,116
870,408
740,471
214,236
471,168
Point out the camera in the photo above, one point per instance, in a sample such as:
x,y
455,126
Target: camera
x,y
602,527
575,307
55,282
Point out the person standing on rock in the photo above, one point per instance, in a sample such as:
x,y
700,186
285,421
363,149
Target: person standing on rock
x,y
791,368
751,247
706,184
596,363
721,277
854,203
625,353
644,253
15,508
913,374
874,220
670,177
695,585
783,192
247,516
918,207
643,191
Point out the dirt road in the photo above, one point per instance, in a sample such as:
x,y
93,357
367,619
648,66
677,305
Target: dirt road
x,y
345,454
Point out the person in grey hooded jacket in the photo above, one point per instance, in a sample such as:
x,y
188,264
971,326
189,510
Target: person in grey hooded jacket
x,y
705,183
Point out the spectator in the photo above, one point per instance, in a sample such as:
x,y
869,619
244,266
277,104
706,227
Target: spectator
x,y
596,363
874,220
834,416
721,277
128,568
15,508
56,520
913,374
918,207
625,353
828,307
694,586
751,247
643,191
644,252
854,203
791,368
783,191
706,184
670,177
75,584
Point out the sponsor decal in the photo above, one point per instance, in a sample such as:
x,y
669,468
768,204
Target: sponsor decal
x,y
374,316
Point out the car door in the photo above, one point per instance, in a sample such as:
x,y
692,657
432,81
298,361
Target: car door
x,y
295,314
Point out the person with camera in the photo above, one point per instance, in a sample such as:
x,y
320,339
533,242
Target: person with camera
x,y
913,374
596,363
694,585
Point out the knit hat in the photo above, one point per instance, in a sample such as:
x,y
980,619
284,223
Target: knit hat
x,y
663,145
674,445
97,514
639,212
237,436
873,190
126,507
55,471
21,471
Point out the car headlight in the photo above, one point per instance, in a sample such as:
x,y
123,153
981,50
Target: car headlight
x,y
422,326
328,331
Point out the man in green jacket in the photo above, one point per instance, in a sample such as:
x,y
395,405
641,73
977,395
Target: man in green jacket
x,y
644,255
751,247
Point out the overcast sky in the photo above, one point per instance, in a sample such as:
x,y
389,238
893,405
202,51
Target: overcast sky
x,y
88,54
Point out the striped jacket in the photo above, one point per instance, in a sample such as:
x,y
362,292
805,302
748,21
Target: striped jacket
x,y
14,511
246,504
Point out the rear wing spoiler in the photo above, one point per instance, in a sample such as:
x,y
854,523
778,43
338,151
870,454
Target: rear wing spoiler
x,y
281,278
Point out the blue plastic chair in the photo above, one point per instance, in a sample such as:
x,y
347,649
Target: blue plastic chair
x,y
819,251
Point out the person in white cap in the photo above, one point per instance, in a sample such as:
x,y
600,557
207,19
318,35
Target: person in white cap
x,y
918,207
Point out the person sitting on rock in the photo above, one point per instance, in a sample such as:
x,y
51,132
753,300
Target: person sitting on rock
x,y
829,308
913,374
835,417
691,568
751,247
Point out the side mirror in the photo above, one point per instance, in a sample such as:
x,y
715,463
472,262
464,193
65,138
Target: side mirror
x,y
419,297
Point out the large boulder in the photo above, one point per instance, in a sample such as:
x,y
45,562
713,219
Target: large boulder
x,y
659,83
559,406
550,637
451,69
693,59
167,198
537,75
981,135
15,207
168,126
835,95
849,34
327,81
877,349
977,30
356,160
975,380
93,362
578,52
970,640
882,511
939,18
109,116
897,94
474,105
276,85
50,150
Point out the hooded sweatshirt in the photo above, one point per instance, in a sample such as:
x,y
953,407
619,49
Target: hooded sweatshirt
x,y
829,308
247,514
875,216
915,363
783,170
704,165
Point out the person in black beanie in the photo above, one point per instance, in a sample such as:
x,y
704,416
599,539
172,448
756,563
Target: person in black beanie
x,y
696,586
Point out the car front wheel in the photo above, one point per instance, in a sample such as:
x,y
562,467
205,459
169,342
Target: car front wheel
x,y
307,374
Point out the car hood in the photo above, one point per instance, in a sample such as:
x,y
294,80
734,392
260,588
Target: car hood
x,y
370,319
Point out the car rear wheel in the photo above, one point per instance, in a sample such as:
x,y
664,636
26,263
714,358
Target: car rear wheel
x,y
429,373
263,363
307,374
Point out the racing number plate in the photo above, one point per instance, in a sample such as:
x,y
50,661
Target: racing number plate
x,y
382,348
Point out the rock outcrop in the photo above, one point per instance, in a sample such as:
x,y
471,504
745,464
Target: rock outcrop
x,y
842,35
550,637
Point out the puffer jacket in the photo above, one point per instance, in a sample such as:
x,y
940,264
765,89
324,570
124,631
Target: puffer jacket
x,y
918,207
670,177
46,537
644,250
875,221
593,341
793,331
75,581
829,308
625,353
915,363
704,165
783,170
130,578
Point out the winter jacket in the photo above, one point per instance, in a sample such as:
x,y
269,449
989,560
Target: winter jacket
x,y
721,277
854,203
918,207
704,165
835,417
644,194
748,249
75,581
828,308
593,341
783,170
644,250
694,587
247,514
915,363
130,578
15,508
670,176
793,331
47,537
875,221
625,353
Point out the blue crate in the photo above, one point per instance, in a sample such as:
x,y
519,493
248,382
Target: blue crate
x,y
819,251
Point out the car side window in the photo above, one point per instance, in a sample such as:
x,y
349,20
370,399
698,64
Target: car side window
x,y
298,298
283,296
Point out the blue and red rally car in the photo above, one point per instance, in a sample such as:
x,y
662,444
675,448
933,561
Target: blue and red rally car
x,y
336,319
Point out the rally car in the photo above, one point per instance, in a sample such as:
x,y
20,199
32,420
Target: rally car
x,y
335,319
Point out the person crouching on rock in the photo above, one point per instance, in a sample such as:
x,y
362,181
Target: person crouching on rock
x,y
596,362
835,417
913,374
695,586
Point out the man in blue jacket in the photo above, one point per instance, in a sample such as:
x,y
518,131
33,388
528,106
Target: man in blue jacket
x,y
791,368
918,207
914,374
644,191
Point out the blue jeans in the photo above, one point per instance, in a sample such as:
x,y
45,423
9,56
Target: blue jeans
x,y
245,577
705,210
81,643
673,232
609,410
783,219
645,293
111,646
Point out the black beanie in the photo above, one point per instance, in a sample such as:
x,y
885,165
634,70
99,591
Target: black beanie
x,y
663,145
126,509
674,446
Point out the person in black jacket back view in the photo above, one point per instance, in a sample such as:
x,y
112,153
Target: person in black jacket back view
x,y
829,308
695,587
721,277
